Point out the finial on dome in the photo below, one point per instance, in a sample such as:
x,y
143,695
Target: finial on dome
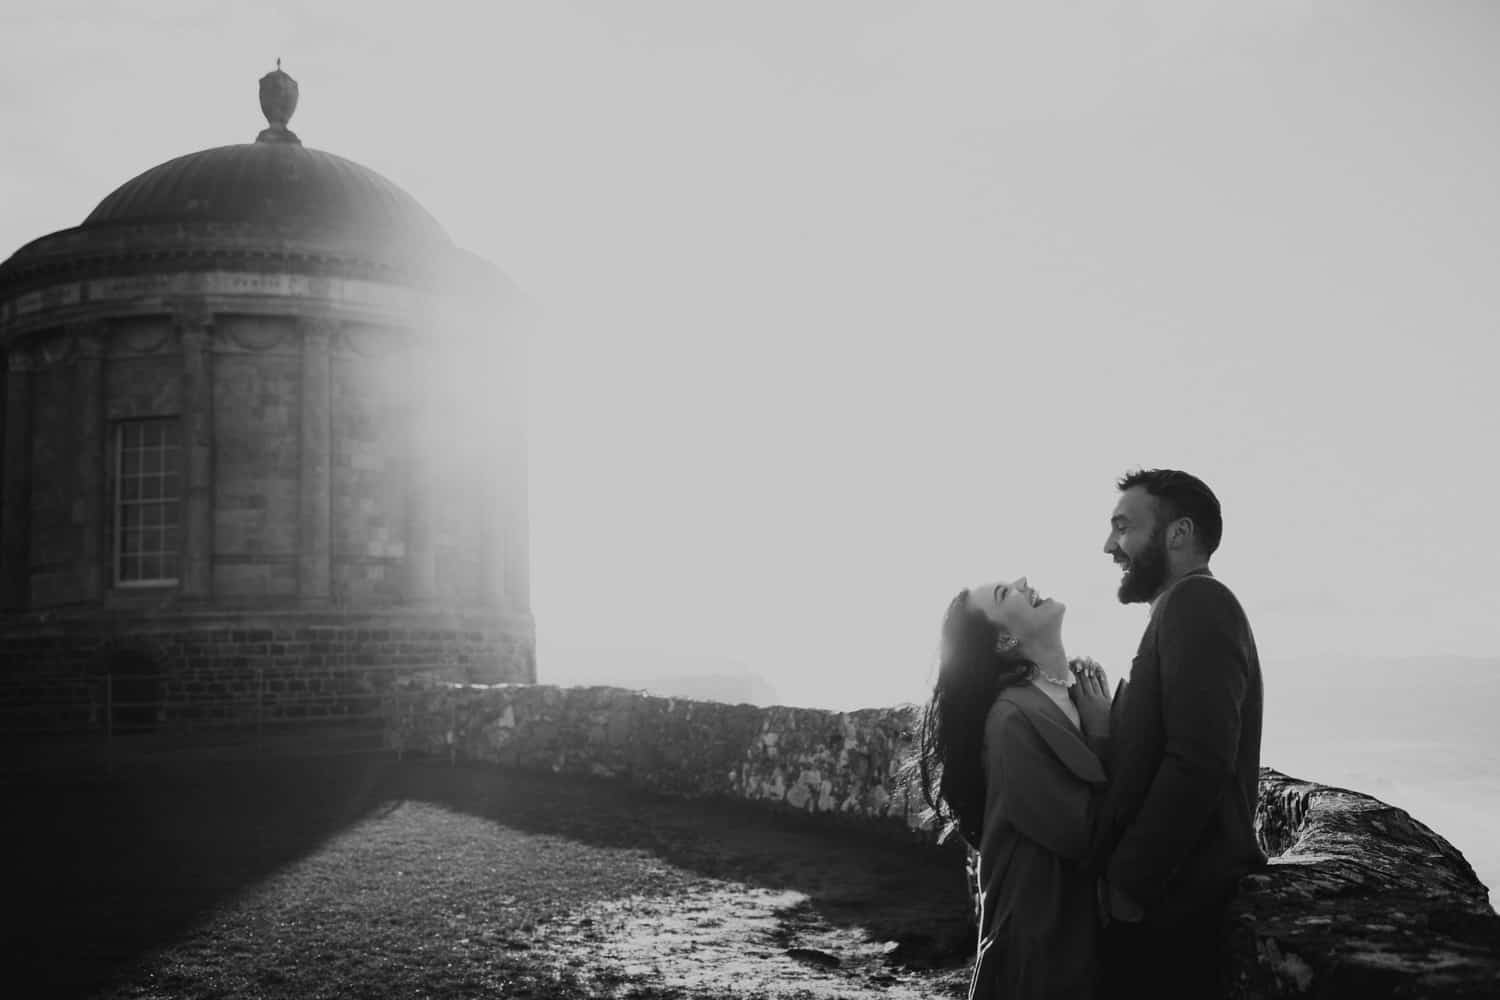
x,y
278,99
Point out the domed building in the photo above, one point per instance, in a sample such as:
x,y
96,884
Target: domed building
x,y
261,412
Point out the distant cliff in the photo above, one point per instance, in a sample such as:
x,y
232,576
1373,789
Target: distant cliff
x,y
1360,900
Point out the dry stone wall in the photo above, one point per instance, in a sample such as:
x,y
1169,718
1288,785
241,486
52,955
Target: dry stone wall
x,y
837,764
1360,899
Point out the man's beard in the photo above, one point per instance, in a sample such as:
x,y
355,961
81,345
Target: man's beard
x,y
1147,572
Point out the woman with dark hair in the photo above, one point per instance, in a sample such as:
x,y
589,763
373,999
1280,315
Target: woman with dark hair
x,y
1010,752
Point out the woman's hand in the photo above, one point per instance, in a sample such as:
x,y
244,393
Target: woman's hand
x,y
1091,695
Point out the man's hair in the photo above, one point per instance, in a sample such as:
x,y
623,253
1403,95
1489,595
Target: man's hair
x,y
1179,494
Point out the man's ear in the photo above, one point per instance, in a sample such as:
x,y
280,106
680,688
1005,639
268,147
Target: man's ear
x,y
1181,533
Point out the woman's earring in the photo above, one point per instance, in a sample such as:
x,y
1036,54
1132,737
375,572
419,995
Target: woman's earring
x,y
1006,643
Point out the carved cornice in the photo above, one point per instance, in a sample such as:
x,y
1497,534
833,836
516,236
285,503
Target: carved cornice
x,y
77,254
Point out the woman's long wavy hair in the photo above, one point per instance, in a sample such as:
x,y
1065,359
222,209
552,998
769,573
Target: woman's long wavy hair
x,y
970,676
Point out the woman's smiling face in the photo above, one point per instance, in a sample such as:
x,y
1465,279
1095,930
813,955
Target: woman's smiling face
x,y
1015,607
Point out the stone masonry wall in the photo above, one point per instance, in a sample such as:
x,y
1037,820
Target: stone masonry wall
x,y
237,668
805,759
256,453
1360,899
370,473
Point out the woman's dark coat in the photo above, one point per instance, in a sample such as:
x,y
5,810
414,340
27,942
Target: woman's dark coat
x,y
1038,925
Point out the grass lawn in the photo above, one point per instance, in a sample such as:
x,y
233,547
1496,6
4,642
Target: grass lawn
x,y
360,876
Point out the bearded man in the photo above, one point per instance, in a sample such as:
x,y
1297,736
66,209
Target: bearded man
x,y
1176,831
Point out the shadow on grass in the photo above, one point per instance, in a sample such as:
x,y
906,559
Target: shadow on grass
x,y
912,893
103,869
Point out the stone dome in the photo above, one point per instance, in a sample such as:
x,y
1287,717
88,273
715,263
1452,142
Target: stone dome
x,y
269,204
278,185
274,183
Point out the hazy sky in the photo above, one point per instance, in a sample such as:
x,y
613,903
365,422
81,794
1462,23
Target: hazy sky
x,y
848,305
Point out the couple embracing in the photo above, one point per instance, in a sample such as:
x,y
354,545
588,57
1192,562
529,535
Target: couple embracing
x,y
1110,831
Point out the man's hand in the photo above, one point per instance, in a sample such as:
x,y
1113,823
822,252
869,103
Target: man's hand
x,y
1091,695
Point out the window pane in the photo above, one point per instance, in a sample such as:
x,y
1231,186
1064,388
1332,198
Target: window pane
x,y
149,490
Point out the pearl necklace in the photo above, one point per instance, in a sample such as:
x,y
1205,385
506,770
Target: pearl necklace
x,y
1054,681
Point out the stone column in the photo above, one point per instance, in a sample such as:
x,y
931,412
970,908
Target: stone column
x,y
89,508
315,508
15,529
518,535
506,519
494,517
491,392
516,438
196,331
421,536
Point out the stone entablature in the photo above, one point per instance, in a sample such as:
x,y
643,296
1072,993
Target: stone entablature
x,y
67,267
1360,899
250,292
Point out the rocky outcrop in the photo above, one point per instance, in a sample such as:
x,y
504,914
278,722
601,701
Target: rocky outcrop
x,y
1359,900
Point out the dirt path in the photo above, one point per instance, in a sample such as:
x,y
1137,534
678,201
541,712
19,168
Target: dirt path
x,y
367,879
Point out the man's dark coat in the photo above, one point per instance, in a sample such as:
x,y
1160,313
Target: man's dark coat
x,y
1176,829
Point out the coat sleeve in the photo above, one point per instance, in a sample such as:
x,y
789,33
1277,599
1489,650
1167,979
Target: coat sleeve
x,y
1205,674
1029,788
